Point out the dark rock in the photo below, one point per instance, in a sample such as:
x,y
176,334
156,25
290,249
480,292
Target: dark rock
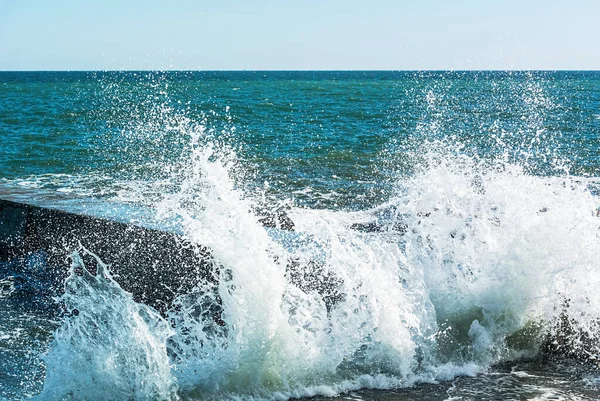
x,y
375,227
567,339
275,219
312,276
152,265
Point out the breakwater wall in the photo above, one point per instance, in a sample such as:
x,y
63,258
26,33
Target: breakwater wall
x,y
152,265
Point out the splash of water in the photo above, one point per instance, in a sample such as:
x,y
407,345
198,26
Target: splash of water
x,y
473,262
110,347
479,274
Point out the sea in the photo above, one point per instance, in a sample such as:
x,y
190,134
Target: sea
x,y
451,218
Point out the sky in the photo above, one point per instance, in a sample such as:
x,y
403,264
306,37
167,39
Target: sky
x,y
299,35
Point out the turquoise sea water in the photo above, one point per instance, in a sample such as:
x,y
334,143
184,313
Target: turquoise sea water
x,y
347,133
494,177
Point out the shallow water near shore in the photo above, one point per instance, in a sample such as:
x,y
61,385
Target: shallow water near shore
x,y
445,234
536,379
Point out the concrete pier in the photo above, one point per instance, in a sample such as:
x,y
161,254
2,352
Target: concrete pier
x,y
153,265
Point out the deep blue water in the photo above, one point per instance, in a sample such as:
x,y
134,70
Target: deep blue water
x,y
494,177
348,132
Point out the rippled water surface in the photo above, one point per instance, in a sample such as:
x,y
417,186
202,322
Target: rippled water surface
x,y
447,225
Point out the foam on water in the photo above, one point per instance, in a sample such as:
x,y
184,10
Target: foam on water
x,y
486,263
474,262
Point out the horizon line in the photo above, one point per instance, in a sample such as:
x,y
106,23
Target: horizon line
x,y
308,70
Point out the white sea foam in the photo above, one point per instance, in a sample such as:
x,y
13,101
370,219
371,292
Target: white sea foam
x,y
483,267
473,262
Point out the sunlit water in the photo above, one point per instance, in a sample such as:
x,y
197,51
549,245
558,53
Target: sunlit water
x,y
483,189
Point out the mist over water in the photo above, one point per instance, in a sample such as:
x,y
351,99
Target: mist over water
x,y
443,224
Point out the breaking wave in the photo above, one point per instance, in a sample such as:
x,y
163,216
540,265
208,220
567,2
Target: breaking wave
x,y
465,267
470,262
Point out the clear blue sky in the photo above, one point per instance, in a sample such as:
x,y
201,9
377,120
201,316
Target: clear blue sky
x,y
299,34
